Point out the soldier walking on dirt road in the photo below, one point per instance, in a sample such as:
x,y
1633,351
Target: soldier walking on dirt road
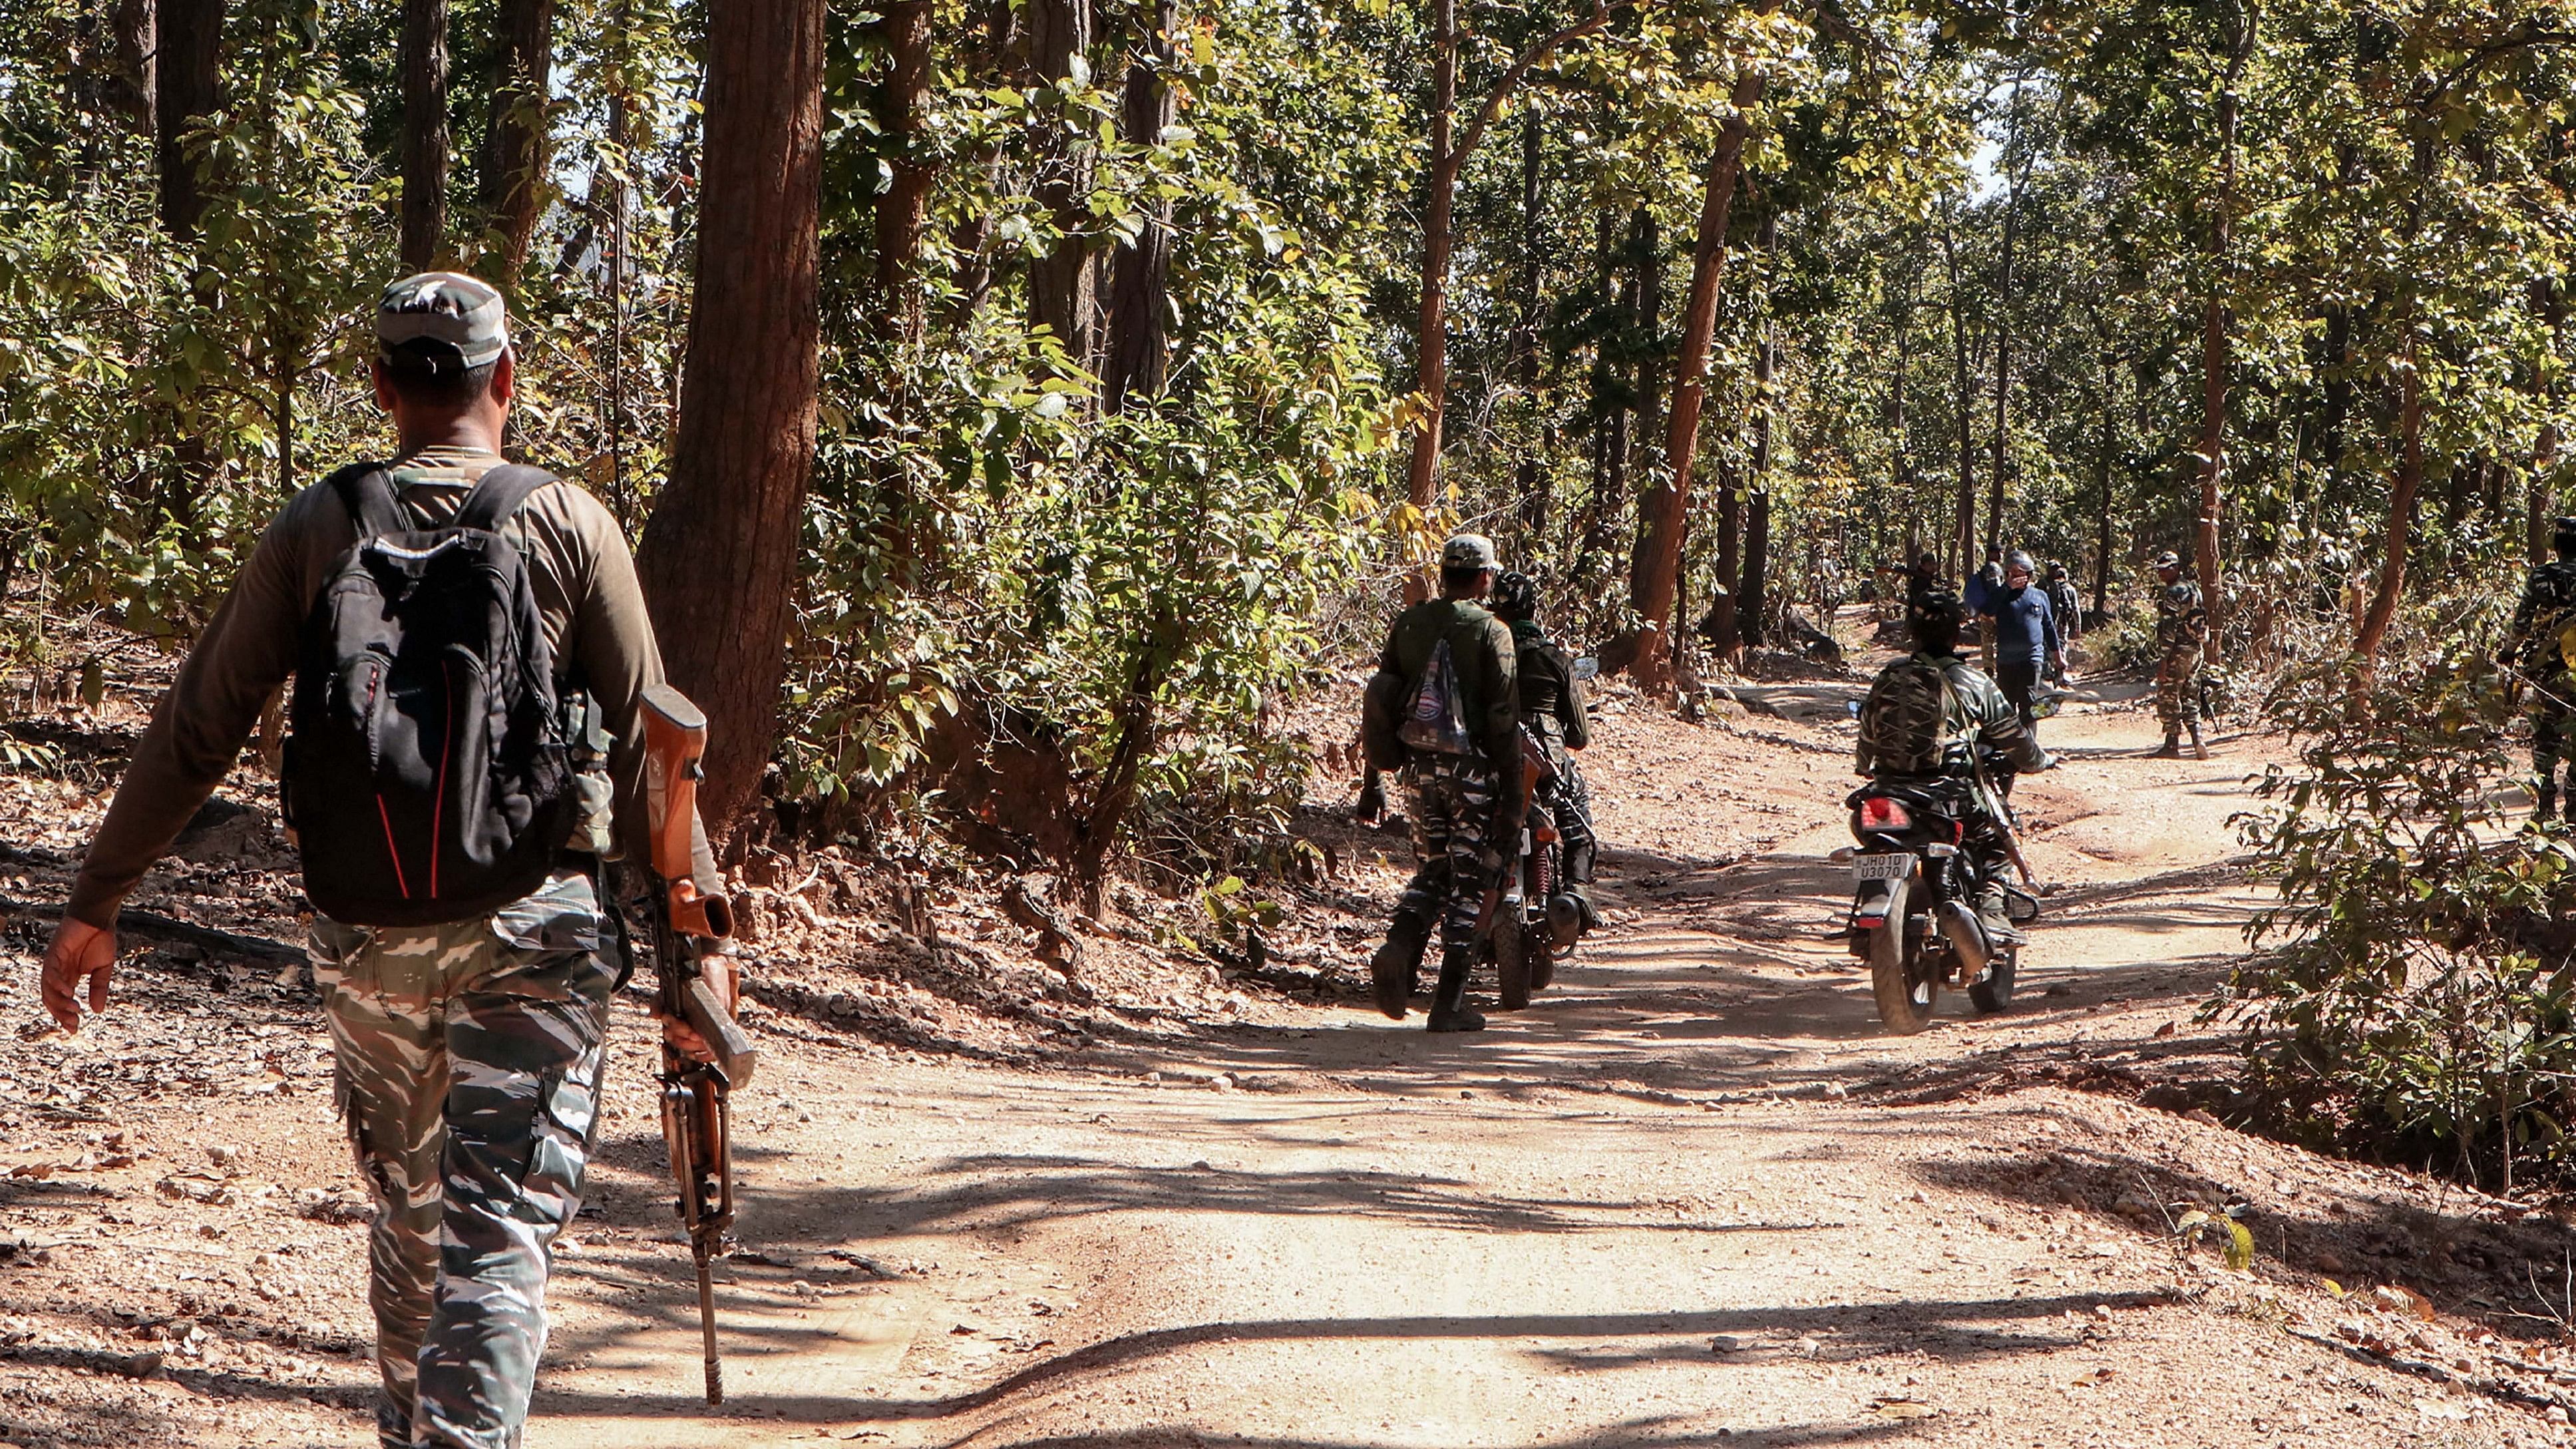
x,y
1445,703
469,645
2537,648
2182,623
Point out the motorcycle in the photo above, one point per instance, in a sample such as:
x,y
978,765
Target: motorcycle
x,y
1533,923
1914,892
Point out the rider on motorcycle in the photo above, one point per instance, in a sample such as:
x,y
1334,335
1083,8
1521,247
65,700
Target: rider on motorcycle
x,y
1551,702
1932,716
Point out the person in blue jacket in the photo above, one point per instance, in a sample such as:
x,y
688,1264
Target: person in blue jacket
x,y
2026,638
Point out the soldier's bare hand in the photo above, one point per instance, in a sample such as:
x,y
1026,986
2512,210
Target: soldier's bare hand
x,y
80,951
683,1038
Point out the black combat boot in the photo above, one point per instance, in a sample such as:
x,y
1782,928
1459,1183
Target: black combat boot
x,y
1996,917
2199,751
2172,749
2544,801
1397,967
1449,1010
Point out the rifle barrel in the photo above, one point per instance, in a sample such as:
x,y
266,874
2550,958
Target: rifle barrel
x,y
707,1327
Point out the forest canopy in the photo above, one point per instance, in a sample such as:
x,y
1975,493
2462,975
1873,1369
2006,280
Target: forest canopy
x,y
1111,368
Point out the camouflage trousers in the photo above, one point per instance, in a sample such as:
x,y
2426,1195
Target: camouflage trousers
x,y
2178,688
1452,810
2549,719
469,1058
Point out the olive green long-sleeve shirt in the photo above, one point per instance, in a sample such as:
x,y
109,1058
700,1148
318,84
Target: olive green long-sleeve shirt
x,y
579,569
1486,664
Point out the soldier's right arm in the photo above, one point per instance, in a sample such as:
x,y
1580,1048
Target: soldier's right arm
x,y
1999,725
202,721
1500,728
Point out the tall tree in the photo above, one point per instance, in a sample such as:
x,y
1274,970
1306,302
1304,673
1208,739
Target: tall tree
x,y
188,79
1654,574
2014,178
2214,332
137,51
719,557
1431,338
1062,298
903,208
514,164
1139,287
424,131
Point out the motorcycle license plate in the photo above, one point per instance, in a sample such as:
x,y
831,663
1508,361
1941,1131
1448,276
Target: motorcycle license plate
x,y
1882,867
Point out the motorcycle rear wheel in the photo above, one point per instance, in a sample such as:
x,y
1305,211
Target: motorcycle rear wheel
x,y
1995,992
1899,977
1512,964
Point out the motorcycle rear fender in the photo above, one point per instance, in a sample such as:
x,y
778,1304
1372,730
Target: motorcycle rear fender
x,y
1872,900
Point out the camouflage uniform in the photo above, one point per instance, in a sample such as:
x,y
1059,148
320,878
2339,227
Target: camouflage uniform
x,y
1452,814
469,1061
2181,624
1898,729
2548,606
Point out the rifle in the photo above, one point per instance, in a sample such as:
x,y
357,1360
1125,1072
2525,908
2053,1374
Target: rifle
x,y
697,986
1533,769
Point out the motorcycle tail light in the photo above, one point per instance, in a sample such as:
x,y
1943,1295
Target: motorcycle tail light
x,y
1868,923
1880,813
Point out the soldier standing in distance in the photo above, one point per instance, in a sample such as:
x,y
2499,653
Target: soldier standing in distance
x,y
2535,648
2182,622
1453,673
468,1049
2069,608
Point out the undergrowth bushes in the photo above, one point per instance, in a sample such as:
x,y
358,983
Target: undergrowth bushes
x,y
2415,997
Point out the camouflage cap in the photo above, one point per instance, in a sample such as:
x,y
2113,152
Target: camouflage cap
x,y
1469,551
2168,559
442,307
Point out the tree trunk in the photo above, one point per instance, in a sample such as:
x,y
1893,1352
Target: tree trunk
x,y
1431,340
2102,487
1529,478
1061,296
2214,352
424,132
1723,627
719,558
1138,293
132,89
903,209
514,165
188,81
2542,502
1654,572
1963,533
1757,568
1650,316
2401,519
2003,366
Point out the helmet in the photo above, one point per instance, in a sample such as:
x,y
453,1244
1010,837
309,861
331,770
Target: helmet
x,y
2057,571
1514,596
1934,609
2168,559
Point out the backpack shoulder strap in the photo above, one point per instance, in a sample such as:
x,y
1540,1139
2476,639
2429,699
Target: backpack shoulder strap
x,y
367,491
499,495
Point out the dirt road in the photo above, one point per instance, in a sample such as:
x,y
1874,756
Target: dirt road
x,y
1692,1196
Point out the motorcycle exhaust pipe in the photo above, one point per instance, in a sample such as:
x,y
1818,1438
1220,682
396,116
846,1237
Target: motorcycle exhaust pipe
x,y
1967,936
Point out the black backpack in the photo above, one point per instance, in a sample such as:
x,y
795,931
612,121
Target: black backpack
x,y
426,774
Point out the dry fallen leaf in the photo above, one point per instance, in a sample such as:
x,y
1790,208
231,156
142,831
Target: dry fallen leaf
x,y
1902,1409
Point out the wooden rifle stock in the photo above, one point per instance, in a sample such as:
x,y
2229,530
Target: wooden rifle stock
x,y
697,987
